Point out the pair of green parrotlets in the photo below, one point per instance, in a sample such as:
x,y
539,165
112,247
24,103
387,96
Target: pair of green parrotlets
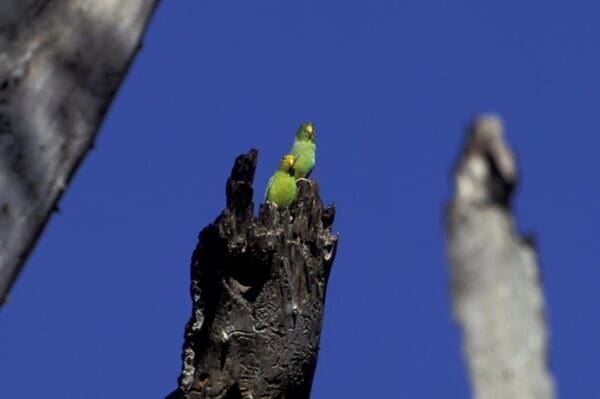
x,y
297,165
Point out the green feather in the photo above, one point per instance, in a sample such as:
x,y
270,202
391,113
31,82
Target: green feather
x,y
281,189
305,149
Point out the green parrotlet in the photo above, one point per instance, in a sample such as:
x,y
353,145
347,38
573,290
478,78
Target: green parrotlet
x,y
281,189
305,149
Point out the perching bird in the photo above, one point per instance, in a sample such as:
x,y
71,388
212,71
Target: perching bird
x,y
281,189
305,149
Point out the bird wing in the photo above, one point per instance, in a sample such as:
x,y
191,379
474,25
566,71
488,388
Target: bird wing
x,y
269,186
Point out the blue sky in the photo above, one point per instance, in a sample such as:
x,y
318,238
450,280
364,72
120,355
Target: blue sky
x,y
391,86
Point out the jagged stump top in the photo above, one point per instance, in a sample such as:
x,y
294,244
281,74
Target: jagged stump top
x,y
258,290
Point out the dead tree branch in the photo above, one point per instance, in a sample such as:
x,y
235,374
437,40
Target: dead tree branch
x,y
496,287
258,292
61,63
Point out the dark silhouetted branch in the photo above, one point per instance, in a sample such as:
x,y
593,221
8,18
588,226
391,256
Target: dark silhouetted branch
x,y
496,287
258,292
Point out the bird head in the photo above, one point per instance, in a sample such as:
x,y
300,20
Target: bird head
x,y
288,162
306,131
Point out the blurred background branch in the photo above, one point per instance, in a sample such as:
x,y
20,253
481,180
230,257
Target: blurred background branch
x,y
61,64
496,286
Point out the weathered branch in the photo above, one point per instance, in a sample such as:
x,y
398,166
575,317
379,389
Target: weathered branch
x,y
258,291
496,288
61,63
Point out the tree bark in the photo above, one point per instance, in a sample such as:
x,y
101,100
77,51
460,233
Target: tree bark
x,y
258,291
496,287
61,63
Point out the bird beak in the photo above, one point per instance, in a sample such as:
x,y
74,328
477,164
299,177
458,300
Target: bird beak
x,y
292,162
311,131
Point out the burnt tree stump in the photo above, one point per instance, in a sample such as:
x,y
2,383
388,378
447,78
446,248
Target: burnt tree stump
x,y
258,292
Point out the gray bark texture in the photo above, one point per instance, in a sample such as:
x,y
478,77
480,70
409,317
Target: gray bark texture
x,y
61,63
496,286
258,291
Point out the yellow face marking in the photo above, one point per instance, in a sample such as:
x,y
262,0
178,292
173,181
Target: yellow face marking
x,y
290,160
311,131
